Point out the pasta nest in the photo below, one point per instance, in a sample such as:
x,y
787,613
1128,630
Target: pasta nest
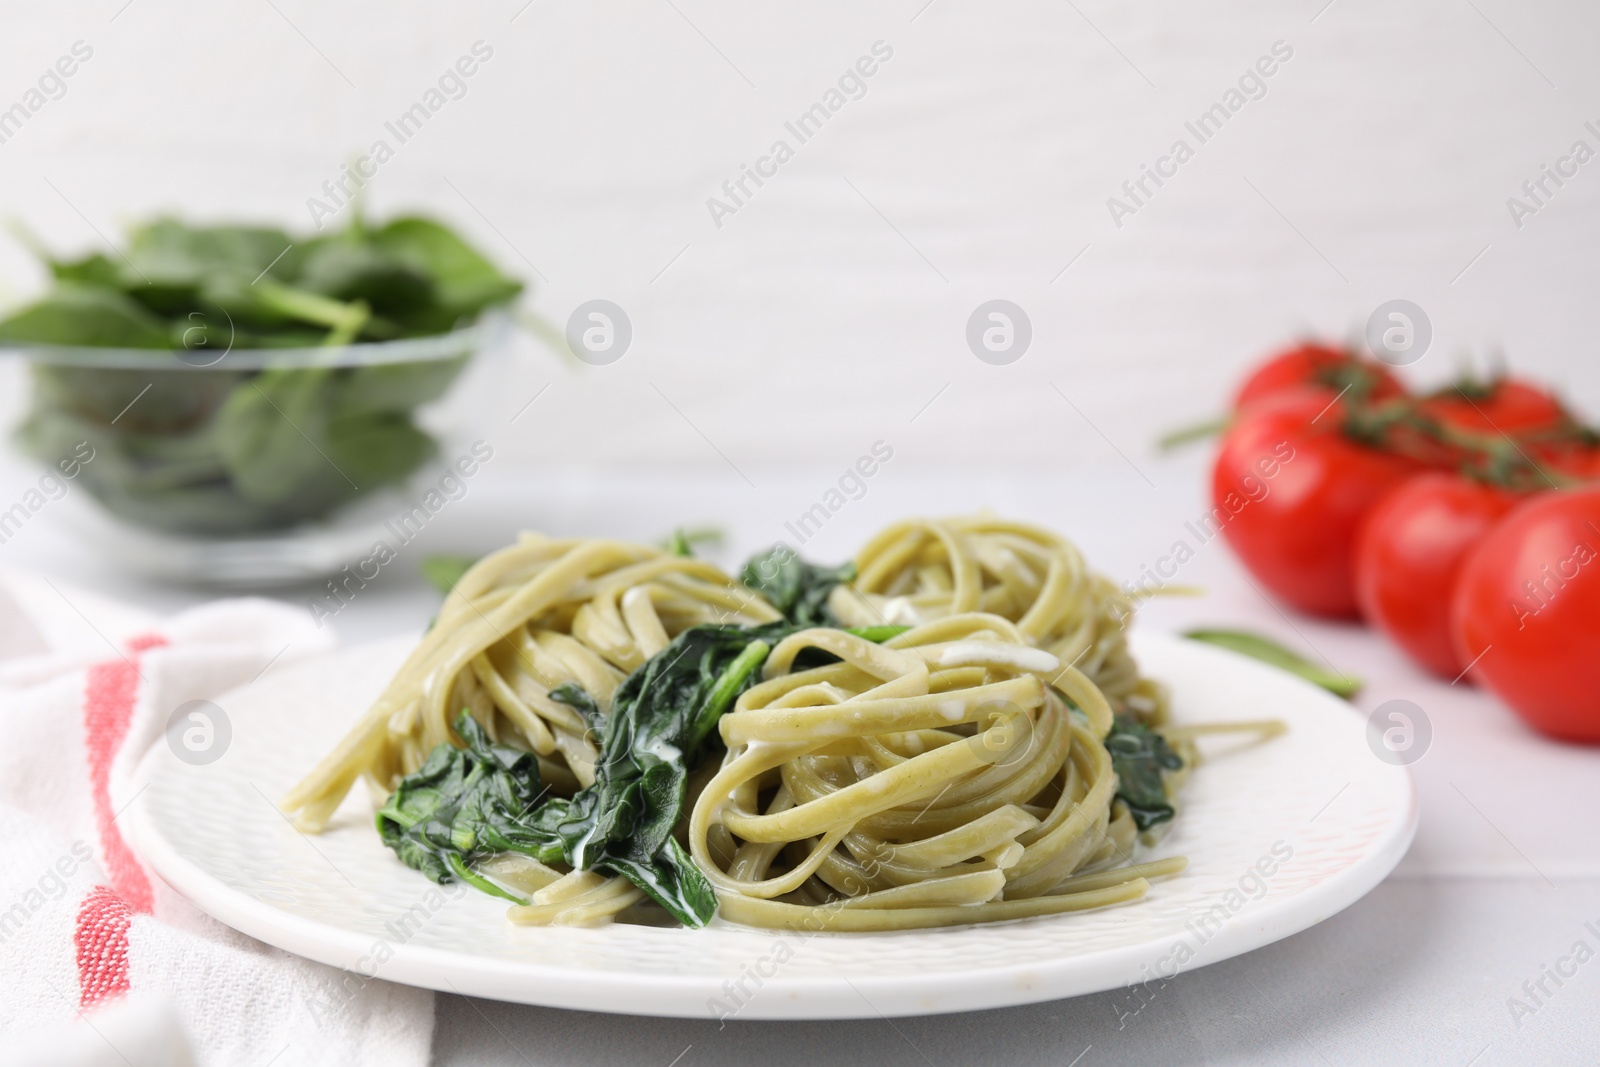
x,y
523,621
924,569
953,774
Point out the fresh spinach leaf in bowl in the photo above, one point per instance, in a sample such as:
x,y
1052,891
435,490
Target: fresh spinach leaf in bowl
x,y
190,442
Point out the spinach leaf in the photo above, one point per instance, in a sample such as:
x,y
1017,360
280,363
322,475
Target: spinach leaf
x,y
877,634
661,718
177,286
271,434
398,387
461,804
168,252
345,320
682,540
1257,647
578,698
679,545
464,280
377,449
443,572
350,270
173,403
248,312
78,313
95,269
410,277
1139,755
796,588
168,263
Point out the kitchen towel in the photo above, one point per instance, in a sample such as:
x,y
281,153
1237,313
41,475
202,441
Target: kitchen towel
x,y
101,962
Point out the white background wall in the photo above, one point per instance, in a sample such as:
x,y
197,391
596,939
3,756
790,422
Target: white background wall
x,y
832,307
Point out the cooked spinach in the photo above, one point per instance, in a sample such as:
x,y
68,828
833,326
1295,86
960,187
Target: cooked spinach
x,y
1139,755
463,803
678,544
578,699
255,450
793,586
661,719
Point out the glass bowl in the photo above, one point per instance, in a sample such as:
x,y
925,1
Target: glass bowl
x,y
257,467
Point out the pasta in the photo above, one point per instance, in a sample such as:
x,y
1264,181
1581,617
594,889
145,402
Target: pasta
x,y
521,623
919,570
932,781
966,740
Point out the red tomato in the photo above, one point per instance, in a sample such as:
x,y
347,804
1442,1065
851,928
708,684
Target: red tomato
x,y
1587,465
1571,460
1527,611
1289,490
1315,364
1509,406
1541,428
1410,550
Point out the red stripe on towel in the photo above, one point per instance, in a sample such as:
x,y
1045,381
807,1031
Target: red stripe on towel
x,y
101,940
109,696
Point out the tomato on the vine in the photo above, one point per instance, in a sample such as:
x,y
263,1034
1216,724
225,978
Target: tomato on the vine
x,y
1318,365
1409,552
1505,405
1582,464
1575,460
1490,425
1526,613
1290,488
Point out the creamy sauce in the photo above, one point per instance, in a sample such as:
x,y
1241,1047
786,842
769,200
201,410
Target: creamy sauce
x,y
899,611
981,653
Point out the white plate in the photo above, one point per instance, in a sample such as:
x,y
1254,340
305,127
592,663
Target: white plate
x,y
1338,817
